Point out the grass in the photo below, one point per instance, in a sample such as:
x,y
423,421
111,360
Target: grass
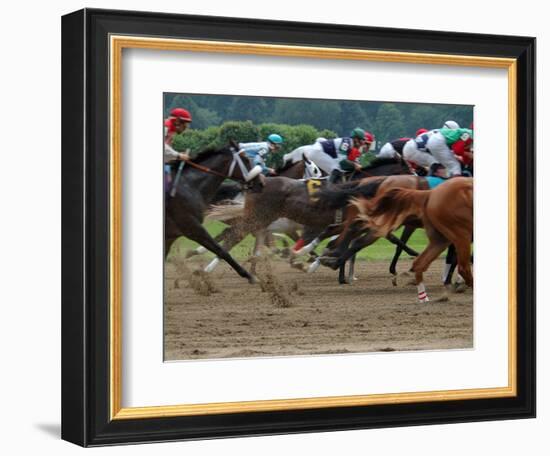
x,y
380,250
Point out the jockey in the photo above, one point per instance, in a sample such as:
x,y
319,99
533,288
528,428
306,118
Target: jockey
x,y
393,148
333,156
347,152
446,144
369,140
415,150
174,125
258,151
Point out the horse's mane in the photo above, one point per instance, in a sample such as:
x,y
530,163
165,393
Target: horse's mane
x,y
210,152
382,161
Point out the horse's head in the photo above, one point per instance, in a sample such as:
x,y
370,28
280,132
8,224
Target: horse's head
x,y
311,169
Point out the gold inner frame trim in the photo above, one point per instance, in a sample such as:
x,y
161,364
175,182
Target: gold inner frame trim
x,y
117,44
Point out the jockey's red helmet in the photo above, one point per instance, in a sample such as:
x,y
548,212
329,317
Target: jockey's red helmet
x,y
421,131
182,114
369,137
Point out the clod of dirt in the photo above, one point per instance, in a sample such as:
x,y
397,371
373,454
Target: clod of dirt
x,y
295,288
269,283
198,280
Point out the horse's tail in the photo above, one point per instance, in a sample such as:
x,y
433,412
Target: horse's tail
x,y
338,196
388,211
225,212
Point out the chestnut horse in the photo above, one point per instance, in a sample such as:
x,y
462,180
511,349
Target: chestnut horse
x,y
446,213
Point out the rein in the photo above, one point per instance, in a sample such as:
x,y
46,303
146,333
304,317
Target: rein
x,y
205,169
248,174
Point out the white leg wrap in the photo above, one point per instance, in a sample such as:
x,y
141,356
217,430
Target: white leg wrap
x,y
212,265
308,248
314,266
422,295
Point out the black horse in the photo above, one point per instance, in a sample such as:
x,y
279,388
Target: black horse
x,y
197,185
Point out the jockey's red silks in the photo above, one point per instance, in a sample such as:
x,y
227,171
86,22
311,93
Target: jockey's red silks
x,y
354,154
460,147
299,244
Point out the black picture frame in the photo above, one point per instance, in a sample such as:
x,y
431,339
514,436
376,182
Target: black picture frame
x,y
85,224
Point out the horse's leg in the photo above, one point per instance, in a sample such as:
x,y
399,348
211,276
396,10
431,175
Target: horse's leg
x,y
408,230
333,258
422,263
343,278
450,265
351,273
200,249
463,252
329,231
358,244
196,232
260,241
171,233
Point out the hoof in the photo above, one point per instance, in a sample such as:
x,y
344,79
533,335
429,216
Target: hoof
x,y
299,266
253,280
460,287
424,300
394,281
330,262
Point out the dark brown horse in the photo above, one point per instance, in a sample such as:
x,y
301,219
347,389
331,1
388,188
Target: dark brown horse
x,y
232,193
194,190
282,197
446,213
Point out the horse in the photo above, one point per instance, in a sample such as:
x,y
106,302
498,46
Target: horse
x,y
284,197
353,236
338,197
446,213
231,194
195,188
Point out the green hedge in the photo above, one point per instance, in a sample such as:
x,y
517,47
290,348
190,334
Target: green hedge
x,y
245,131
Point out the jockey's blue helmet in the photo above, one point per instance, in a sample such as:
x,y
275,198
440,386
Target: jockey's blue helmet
x,y
275,138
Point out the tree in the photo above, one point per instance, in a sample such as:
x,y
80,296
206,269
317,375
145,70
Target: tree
x,y
389,124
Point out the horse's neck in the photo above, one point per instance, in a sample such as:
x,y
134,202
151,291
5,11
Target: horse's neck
x,y
294,172
205,183
391,170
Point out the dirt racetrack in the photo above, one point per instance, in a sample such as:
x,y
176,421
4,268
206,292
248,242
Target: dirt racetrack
x,y
222,316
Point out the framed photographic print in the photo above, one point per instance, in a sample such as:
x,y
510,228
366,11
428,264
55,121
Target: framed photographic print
x,y
268,227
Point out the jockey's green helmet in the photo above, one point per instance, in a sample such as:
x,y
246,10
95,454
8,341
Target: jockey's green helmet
x,y
275,138
358,133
